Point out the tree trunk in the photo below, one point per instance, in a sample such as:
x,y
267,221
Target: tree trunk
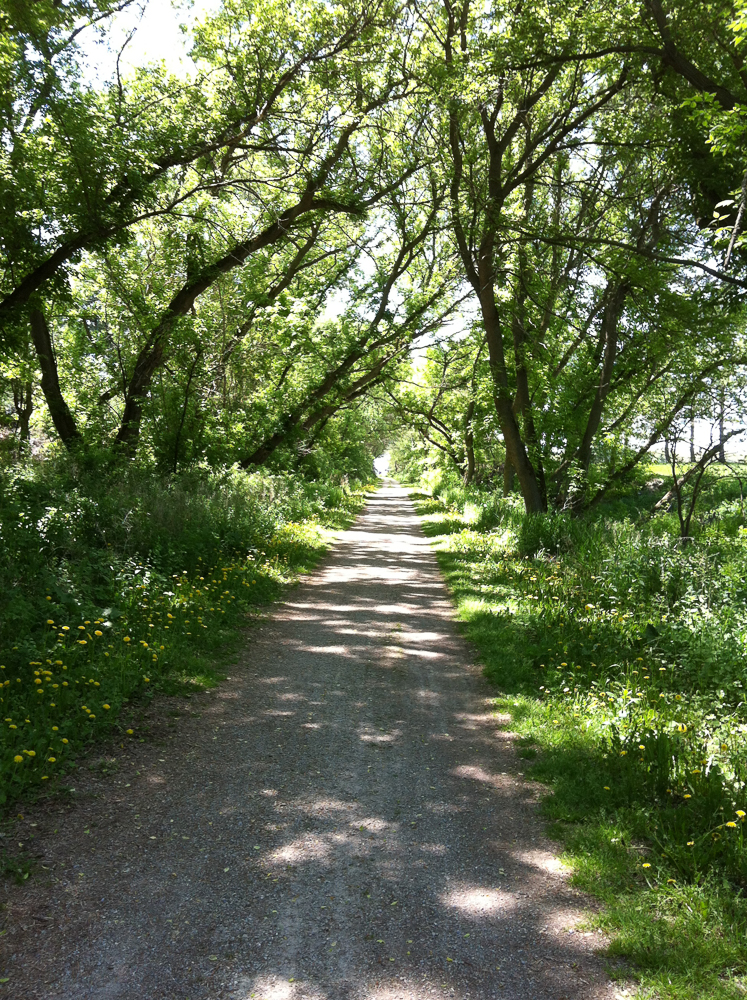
x,y
721,435
523,400
509,474
469,445
23,402
62,418
610,321
516,452
692,437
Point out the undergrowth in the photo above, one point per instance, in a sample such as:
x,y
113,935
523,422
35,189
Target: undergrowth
x,y
115,584
621,656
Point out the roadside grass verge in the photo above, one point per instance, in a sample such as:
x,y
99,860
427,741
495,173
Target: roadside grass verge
x,y
621,656
114,588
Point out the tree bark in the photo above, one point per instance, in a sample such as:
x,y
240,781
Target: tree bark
x,y
610,323
23,403
62,418
692,437
721,432
469,445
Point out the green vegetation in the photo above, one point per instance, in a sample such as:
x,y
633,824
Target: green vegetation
x,y
507,241
621,656
114,586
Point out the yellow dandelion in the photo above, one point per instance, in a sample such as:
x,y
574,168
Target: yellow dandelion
x,y
646,865
731,823
147,680
91,716
126,639
130,732
98,632
51,759
741,813
107,707
64,740
50,621
690,843
55,729
18,759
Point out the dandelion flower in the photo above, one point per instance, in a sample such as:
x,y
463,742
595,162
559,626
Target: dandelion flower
x,y
126,639
690,843
147,680
50,621
646,865
18,759
107,707
688,796
606,788
98,632
741,813
51,759
64,740
54,729
91,716
130,732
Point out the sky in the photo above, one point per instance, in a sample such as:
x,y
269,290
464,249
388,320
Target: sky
x,y
157,37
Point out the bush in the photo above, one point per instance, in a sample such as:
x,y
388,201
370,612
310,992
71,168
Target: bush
x,y
116,580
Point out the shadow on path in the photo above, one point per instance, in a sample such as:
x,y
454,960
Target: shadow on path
x,y
344,822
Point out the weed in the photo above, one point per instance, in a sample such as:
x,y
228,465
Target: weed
x,y
621,657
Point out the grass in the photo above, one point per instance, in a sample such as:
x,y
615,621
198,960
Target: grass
x,y
96,616
621,657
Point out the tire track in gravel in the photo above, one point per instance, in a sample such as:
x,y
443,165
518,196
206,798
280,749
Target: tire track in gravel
x,y
348,824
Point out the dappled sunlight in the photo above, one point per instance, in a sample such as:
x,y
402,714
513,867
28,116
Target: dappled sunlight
x,y
371,737
355,816
477,773
475,901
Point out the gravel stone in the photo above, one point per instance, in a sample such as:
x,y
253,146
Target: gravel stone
x,y
343,819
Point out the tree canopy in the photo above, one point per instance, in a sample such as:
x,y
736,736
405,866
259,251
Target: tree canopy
x,y
516,230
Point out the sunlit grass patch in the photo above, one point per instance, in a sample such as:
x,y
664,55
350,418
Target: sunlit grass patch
x,y
620,657
167,620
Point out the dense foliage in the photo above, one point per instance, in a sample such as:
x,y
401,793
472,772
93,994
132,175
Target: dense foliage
x,y
114,586
620,656
505,240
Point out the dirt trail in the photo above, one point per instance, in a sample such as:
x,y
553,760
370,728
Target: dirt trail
x,y
345,820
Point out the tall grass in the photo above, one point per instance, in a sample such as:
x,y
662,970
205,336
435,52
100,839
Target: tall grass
x,y
114,583
621,654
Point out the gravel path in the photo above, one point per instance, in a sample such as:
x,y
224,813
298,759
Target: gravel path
x,y
344,820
